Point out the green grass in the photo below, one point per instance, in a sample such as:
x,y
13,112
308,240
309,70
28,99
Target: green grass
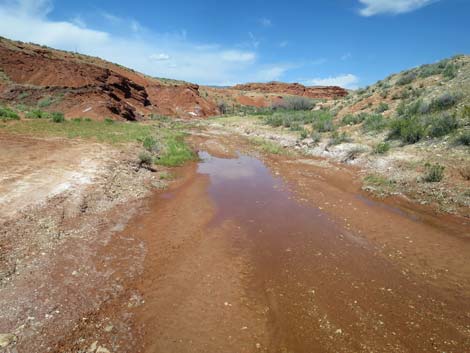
x,y
382,148
8,114
434,173
267,146
374,123
175,152
119,132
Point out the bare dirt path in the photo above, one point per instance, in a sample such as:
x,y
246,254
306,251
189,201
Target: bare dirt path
x,y
277,254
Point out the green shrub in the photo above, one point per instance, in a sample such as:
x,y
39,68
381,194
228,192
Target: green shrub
x,y
37,114
382,108
381,148
441,125
406,78
315,136
303,134
408,129
57,117
323,121
450,71
8,114
374,123
176,152
297,103
291,119
149,143
338,138
145,159
77,120
351,119
108,120
463,138
444,101
45,102
434,173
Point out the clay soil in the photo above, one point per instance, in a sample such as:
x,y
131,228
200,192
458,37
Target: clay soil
x,y
244,252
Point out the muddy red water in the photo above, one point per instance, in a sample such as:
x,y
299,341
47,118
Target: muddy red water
x,y
236,263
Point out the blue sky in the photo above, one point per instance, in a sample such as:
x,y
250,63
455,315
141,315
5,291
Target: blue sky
x,y
351,43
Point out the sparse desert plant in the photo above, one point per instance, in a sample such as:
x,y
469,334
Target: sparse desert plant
x,y
450,71
353,154
8,114
149,143
434,173
463,138
298,103
108,120
445,101
315,136
374,123
382,147
323,121
382,107
57,117
77,120
303,134
408,129
145,159
406,78
37,114
45,102
351,119
338,138
441,125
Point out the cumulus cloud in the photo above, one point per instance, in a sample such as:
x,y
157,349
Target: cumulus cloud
x,y
376,7
346,81
170,55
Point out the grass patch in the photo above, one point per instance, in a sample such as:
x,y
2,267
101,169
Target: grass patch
x,y
338,138
463,138
323,121
374,123
351,119
8,114
175,152
381,148
37,114
434,173
267,146
119,132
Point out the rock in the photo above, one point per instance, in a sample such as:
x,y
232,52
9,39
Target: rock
x,y
92,347
339,331
108,328
6,339
102,350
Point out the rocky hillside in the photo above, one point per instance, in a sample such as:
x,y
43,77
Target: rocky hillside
x,y
320,92
79,85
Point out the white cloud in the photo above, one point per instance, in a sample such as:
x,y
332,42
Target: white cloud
x,y
160,57
375,7
265,22
345,81
254,41
238,56
170,55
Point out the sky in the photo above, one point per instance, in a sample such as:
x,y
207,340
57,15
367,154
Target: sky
x,y
350,43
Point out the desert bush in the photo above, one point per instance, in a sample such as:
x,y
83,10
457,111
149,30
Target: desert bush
x,y
77,120
382,108
408,129
108,120
434,173
290,119
444,101
406,78
351,119
323,121
57,117
45,102
149,143
8,114
465,172
441,125
381,148
463,138
37,114
315,136
374,123
450,71
338,138
297,103
303,134
145,159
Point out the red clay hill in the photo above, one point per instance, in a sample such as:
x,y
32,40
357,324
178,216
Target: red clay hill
x,y
84,86
316,92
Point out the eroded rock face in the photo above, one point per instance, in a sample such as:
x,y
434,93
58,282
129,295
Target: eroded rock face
x,y
92,87
320,92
